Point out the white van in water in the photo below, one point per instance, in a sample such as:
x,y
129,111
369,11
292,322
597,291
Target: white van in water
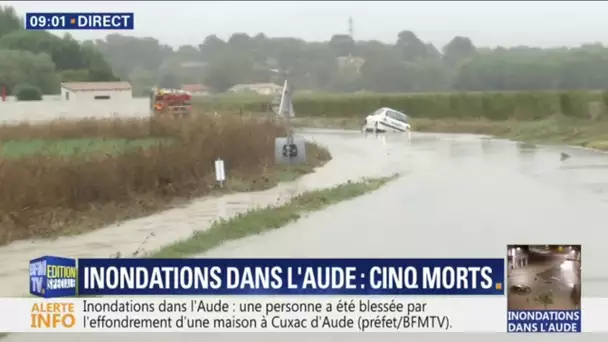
x,y
387,120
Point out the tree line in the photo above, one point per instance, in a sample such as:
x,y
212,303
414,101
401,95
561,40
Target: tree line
x,y
344,65
43,60
338,65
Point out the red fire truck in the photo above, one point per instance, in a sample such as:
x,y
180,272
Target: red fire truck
x,y
174,102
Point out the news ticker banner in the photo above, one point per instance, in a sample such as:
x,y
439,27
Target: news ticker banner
x,y
57,277
276,314
381,278
79,21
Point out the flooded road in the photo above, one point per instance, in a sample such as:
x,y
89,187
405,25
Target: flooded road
x,y
458,196
461,196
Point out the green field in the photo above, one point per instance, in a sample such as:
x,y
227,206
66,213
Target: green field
x,y
473,105
71,147
561,117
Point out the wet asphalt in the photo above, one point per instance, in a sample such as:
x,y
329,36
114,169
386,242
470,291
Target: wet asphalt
x,y
458,196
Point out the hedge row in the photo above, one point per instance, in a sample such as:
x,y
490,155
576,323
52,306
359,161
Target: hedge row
x,y
494,106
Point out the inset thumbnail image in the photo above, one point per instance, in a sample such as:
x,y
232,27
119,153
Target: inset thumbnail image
x,y
543,277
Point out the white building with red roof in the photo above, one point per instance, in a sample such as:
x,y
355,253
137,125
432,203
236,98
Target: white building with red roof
x,y
96,91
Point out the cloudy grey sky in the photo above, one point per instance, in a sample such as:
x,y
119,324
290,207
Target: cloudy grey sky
x,y
487,23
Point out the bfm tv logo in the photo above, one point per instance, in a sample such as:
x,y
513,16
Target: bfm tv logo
x,y
52,277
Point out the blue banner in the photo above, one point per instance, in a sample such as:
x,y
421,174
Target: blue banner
x,y
544,321
79,21
290,276
52,277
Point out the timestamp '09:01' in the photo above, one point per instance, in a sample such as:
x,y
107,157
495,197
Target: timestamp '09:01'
x,y
44,21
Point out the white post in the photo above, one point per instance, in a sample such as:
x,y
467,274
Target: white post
x,y
220,172
286,105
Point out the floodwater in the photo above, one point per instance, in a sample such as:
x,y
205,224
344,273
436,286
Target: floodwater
x,y
458,196
461,196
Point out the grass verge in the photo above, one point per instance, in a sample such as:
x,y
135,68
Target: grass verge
x,y
554,130
271,218
69,177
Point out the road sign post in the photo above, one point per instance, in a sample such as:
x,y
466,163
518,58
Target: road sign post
x,y
289,149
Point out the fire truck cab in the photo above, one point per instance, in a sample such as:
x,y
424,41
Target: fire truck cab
x,y
174,102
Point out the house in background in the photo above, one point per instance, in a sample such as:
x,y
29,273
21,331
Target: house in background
x,y
88,91
257,88
197,89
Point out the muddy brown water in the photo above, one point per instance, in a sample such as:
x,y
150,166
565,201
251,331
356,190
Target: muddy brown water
x,y
458,196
